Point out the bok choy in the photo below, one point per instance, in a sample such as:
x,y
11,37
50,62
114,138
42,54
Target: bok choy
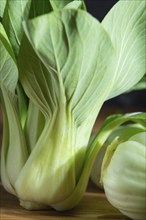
x,y
123,132
63,65
124,175
120,166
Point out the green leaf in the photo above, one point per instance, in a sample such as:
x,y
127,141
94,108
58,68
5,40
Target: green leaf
x,y
67,4
36,80
76,4
8,68
8,83
15,13
36,121
22,102
40,7
6,43
2,7
125,24
114,121
140,85
5,145
59,4
15,149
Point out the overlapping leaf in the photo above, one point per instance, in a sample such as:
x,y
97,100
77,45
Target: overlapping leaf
x,y
39,7
75,51
2,7
18,11
8,68
15,13
125,24
14,149
67,3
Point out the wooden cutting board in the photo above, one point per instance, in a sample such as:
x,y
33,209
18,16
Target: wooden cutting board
x,y
93,206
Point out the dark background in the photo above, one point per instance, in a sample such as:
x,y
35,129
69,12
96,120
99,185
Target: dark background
x,y
99,8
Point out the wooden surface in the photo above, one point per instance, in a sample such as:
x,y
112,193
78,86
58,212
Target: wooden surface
x,y
93,206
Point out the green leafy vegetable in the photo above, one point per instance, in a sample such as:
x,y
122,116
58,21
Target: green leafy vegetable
x,y
61,97
59,78
120,164
123,175
123,133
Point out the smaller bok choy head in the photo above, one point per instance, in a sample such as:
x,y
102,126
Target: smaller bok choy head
x,y
124,175
123,132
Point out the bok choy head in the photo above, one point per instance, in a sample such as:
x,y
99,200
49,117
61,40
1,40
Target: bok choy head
x,y
123,132
59,75
64,62
120,164
123,175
